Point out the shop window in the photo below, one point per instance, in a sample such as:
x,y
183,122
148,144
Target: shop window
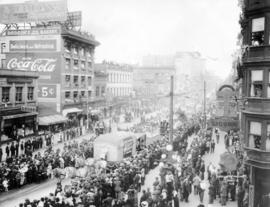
x,y
68,62
30,93
256,88
18,96
255,134
76,64
67,94
5,94
75,80
97,91
89,81
83,65
257,34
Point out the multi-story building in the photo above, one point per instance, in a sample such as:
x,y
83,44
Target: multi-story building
x,y
120,78
18,104
256,94
63,59
152,81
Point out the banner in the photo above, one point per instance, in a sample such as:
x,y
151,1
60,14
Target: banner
x,y
48,65
32,46
33,11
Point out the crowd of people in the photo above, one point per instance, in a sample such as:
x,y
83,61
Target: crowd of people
x,y
114,185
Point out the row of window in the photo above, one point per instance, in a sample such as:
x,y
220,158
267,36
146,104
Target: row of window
x,y
255,135
119,91
75,80
77,94
100,91
119,78
78,64
6,96
76,50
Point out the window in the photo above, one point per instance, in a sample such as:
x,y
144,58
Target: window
x,y
68,63
89,64
256,88
89,94
67,47
83,65
97,91
18,97
257,34
267,143
30,93
82,94
5,94
67,80
75,94
75,80
76,64
255,134
83,79
268,88
103,91
75,50
89,81
82,51
67,94
88,53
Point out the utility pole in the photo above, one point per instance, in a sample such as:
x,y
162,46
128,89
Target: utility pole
x,y
171,112
204,104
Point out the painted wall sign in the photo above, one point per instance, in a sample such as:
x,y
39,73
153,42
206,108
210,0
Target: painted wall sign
x,y
32,46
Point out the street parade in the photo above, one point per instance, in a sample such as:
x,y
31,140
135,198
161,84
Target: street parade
x,y
138,103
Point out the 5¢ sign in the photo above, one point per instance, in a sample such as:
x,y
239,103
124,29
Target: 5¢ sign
x,y
47,91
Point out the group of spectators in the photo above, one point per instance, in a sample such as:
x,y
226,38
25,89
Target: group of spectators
x,y
114,185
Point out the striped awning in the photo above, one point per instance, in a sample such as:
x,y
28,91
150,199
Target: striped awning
x,y
51,119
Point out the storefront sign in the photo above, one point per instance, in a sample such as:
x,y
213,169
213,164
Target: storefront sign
x,y
46,64
32,46
31,32
128,146
33,11
47,91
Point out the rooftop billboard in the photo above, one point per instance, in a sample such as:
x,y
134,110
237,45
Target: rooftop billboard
x,y
33,11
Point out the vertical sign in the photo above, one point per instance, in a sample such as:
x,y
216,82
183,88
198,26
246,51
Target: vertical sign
x,y
251,196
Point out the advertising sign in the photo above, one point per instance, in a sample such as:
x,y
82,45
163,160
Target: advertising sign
x,y
32,46
75,18
40,31
46,91
46,64
33,11
128,146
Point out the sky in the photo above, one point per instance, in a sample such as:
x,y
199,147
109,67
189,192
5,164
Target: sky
x,y
131,29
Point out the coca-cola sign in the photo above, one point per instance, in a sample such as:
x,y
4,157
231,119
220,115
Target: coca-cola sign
x,y
46,64
31,64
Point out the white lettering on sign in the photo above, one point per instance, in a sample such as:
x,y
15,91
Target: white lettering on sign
x,y
38,65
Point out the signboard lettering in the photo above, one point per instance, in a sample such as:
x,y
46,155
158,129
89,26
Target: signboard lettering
x,y
32,45
51,31
31,64
33,11
46,91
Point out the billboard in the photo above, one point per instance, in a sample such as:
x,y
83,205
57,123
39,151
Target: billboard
x,y
32,45
75,18
48,65
33,11
34,31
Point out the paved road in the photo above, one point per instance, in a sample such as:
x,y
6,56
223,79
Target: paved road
x,y
194,199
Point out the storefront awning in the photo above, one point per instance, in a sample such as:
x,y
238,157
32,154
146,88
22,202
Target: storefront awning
x,y
71,110
51,119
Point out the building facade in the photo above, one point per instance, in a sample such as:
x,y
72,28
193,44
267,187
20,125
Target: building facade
x,y
18,104
120,79
256,94
63,59
152,81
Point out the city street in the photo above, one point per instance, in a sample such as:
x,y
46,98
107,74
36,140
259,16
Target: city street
x,y
194,200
